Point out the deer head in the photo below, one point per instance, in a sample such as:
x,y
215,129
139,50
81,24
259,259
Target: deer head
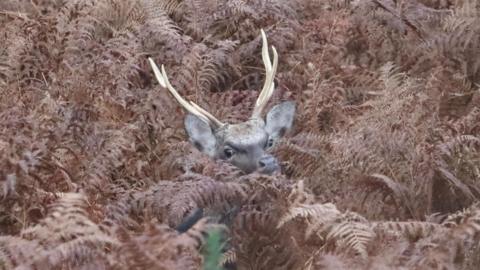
x,y
246,144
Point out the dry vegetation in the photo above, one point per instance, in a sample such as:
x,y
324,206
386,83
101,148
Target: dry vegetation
x,y
382,169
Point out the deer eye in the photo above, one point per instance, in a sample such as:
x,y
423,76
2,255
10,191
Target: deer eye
x,y
228,152
269,143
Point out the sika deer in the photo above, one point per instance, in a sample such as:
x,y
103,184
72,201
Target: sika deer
x,y
245,144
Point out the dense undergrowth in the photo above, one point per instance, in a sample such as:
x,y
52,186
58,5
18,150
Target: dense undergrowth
x,y
381,171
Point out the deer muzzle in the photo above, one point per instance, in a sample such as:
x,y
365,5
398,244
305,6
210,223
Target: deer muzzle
x,y
268,164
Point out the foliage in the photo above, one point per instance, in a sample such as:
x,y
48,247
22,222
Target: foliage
x,y
213,251
381,169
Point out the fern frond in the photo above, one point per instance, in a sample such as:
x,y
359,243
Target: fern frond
x,y
465,223
320,213
228,257
16,250
158,246
171,202
449,147
411,229
389,187
352,235
67,234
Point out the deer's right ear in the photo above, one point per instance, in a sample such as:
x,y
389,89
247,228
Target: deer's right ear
x,y
280,119
200,134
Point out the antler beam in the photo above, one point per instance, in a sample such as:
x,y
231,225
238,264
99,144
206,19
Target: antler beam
x,y
189,106
270,70
263,98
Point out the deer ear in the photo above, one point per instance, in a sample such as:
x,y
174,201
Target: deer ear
x,y
280,119
200,134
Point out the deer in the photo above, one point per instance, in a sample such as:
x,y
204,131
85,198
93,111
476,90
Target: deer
x,y
245,145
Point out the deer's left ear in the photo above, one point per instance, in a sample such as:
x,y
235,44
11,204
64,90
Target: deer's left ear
x,y
200,134
280,119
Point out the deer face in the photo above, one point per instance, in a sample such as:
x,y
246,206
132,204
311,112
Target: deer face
x,y
245,145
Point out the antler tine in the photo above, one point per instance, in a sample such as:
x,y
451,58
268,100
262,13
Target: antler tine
x,y
270,70
189,106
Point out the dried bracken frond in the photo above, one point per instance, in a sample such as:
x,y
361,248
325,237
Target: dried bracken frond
x,y
320,213
352,235
411,229
171,202
465,223
159,246
229,257
66,236
380,169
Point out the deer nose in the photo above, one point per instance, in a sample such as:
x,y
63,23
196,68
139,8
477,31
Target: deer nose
x,y
268,164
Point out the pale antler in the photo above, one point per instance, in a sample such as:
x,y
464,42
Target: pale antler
x,y
270,71
190,107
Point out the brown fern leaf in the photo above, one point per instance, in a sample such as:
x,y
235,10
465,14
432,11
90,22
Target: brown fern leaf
x,y
260,247
306,149
469,123
205,69
170,202
159,246
388,187
67,234
228,257
110,154
465,223
128,15
352,235
16,250
411,229
448,148
323,214
442,248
